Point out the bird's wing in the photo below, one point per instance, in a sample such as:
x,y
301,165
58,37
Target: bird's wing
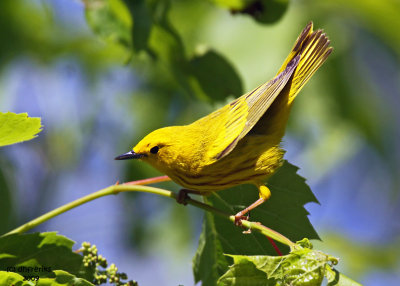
x,y
239,117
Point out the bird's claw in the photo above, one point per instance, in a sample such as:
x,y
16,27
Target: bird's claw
x,y
239,217
182,197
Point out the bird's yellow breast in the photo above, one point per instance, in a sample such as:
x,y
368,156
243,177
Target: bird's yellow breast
x,y
255,158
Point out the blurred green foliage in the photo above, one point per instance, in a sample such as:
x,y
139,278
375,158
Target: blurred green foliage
x,y
361,258
110,20
262,11
350,105
153,34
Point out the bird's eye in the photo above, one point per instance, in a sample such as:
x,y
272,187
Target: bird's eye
x,y
154,150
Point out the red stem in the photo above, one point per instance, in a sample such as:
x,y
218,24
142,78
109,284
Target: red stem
x,y
149,181
275,246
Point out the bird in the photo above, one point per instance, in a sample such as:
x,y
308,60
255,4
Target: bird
x,y
240,143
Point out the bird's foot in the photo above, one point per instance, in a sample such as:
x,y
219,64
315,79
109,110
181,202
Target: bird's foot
x,y
182,197
239,217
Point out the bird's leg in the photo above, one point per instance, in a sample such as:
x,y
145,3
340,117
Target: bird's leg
x,y
183,195
264,193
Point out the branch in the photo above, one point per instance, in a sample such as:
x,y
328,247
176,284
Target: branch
x,y
137,186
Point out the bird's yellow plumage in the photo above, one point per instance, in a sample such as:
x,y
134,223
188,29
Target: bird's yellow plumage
x,y
238,143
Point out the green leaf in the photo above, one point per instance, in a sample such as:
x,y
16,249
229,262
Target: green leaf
x,y
7,209
145,25
166,45
283,212
142,23
15,128
110,19
302,266
245,273
268,11
47,251
216,76
11,278
61,278
209,263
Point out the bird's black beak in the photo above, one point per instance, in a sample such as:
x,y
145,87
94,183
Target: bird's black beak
x,y
129,155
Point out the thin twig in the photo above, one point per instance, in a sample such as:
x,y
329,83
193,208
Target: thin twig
x,y
137,186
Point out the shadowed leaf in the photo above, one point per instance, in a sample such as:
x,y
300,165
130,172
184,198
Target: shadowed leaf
x,y
219,81
48,251
142,19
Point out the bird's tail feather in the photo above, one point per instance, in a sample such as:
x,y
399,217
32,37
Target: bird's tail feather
x,y
313,47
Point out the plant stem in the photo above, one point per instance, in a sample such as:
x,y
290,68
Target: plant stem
x,y
253,226
137,186
112,190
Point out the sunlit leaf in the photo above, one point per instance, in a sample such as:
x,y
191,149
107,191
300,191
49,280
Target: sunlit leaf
x,y
15,128
301,267
61,278
64,278
11,278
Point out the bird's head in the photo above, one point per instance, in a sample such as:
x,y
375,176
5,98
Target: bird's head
x,y
159,148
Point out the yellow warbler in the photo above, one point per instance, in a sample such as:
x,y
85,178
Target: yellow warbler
x,y
240,142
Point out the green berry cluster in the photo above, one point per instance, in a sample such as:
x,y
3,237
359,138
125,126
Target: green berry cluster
x,y
93,260
90,257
